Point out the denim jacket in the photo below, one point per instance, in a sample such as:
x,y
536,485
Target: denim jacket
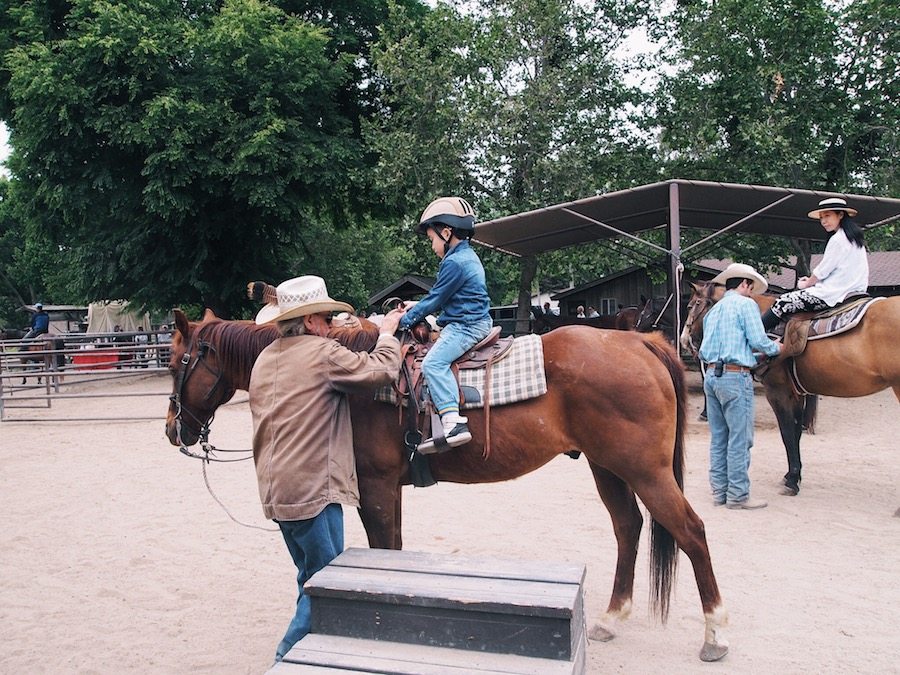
x,y
460,291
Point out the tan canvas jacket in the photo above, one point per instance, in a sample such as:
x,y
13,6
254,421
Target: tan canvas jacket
x,y
302,438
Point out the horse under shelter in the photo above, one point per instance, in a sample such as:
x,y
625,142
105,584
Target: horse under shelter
x,y
673,205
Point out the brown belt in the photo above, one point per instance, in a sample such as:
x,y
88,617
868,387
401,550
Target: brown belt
x,y
730,368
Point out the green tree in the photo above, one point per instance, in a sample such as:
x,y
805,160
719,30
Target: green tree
x,y
800,93
172,151
513,104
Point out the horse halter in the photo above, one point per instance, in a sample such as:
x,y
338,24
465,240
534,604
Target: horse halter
x,y
187,367
706,301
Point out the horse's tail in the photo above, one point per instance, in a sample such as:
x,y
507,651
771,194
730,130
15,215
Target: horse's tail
x,y
663,548
810,408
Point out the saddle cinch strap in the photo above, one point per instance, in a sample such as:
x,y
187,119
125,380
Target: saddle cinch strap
x,y
490,350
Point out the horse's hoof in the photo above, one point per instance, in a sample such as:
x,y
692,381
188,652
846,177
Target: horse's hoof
x,y
601,634
711,652
790,490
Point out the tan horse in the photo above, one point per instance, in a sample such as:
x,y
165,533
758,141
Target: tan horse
x,y
618,397
859,362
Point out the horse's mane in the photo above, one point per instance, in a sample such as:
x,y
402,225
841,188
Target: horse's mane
x,y
238,342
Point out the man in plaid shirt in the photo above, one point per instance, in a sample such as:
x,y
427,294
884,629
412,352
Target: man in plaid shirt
x,y
732,331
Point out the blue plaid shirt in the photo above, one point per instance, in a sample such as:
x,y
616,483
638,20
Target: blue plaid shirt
x,y
732,330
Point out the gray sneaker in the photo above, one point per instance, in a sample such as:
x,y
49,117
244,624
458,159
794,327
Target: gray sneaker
x,y
747,504
458,435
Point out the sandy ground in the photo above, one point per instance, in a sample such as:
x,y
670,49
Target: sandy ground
x,y
115,558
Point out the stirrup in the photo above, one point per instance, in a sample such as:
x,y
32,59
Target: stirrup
x,y
459,435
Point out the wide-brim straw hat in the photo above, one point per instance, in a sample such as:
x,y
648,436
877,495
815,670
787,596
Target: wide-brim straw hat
x,y
300,296
832,204
742,271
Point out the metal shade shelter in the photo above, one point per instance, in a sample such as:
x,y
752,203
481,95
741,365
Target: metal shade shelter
x,y
673,204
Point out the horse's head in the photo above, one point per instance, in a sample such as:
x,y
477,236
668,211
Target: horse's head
x,y
199,382
654,315
704,295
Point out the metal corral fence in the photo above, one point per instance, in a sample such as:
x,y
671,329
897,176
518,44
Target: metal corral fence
x,y
35,373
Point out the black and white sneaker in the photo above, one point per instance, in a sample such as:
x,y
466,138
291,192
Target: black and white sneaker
x,y
458,435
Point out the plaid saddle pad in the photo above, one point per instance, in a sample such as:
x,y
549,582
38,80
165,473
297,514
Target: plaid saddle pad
x,y
518,376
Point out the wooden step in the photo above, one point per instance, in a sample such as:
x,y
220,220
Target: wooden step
x,y
327,654
528,608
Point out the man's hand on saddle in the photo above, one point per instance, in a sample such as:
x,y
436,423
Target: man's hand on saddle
x,y
390,322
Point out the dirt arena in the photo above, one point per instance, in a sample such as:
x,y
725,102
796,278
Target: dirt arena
x,y
115,558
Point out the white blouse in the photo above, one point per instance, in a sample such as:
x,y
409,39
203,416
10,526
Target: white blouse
x,y
844,270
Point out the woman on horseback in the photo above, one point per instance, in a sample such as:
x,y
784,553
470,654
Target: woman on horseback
x,y
844,269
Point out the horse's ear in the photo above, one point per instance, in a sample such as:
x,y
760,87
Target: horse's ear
x,y
643,299
182,323
209,315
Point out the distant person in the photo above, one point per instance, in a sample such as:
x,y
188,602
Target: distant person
x,y
592,313
140,341
843,271
40,323
163,338
460,295
732,330
550,311
579,312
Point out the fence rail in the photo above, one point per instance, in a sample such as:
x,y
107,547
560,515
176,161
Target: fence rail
x,y
35,373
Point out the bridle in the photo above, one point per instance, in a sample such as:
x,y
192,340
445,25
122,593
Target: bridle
x,y
704,302
655,324
187,365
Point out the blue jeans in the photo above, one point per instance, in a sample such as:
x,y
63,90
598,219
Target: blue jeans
x,y
313,544
453,342
729,407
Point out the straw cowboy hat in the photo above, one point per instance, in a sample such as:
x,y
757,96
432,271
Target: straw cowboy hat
x,y
742,271
832,204
300,296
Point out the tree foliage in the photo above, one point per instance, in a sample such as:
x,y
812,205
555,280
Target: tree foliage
x,y
175,150
800,93
170,152
514,104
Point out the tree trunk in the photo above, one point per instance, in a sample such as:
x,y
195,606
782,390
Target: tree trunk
x,y
528,270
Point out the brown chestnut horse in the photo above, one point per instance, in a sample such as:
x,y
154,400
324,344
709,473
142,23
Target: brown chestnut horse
x,y
862,361
618,397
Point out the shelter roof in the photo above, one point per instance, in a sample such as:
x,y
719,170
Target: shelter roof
x,y
699,204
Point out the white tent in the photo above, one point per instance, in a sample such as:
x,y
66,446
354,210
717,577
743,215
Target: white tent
x,y
104,316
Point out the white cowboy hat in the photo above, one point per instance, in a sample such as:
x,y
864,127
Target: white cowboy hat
x,y
300,296
832,204
742,271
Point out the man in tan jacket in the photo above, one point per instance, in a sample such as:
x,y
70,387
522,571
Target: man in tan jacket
x,y
302,438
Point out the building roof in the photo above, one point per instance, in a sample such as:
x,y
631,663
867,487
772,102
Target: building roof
x,y
406,287
684,203
884,269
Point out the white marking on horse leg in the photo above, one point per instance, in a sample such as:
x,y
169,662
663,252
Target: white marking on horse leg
x,y
605,629
715,645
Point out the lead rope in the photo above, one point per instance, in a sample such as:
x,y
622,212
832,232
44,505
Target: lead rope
x,y
204,460
225,508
